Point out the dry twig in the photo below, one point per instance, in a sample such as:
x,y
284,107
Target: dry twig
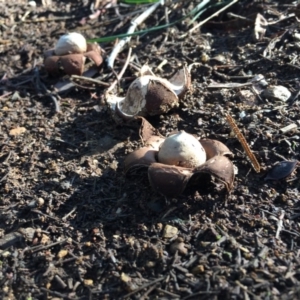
x,y
243,142
88,79
280,224
213,15
140,19
121,73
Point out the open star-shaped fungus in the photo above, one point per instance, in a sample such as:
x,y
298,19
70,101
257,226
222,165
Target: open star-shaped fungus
x,y
70,54
172,161
150,95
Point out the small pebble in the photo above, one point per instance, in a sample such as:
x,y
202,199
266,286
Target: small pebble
x,y
277,93
288,128
32,4
169,231
178,245
40,201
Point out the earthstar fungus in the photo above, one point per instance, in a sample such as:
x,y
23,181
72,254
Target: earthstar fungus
x,y
150,95
70,54
171,180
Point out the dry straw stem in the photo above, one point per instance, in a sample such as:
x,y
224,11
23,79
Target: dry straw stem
x,y
213,15
140,19
244,143
119,76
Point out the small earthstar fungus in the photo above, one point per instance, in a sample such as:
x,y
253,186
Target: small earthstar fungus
x,y
70,54
150,95
174,160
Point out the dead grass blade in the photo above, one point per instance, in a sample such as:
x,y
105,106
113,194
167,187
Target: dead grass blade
x,y
213,15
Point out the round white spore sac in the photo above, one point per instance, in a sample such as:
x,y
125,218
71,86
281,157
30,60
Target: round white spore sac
x,y
182,149
71,43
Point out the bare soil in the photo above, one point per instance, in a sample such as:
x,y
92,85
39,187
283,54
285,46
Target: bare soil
x,y
73,226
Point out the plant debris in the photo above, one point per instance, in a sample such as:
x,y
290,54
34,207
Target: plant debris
x,y
281,170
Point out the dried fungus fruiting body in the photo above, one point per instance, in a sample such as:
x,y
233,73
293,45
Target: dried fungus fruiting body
x,y
145,156
70,54
150,95
168,180
171,179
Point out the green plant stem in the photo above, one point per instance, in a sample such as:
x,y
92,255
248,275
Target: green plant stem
x,y
138,1
124,35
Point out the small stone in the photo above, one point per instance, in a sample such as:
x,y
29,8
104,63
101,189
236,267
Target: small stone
x,y
62,253
288,128
16,96
205,58
296,37
125,278
159,226
179,246
17,131
242,115
150,264
40,201
32,4
169,231
277,93
198,269
6,254
114,165
88,282
29,233
45,239
247,97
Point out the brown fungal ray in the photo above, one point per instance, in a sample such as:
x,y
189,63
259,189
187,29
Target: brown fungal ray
x,y
282,170
168,180
154,142
181,82
142,157
221,168
214,147
51,65
145,156
146,130
72,64
94,53
159,98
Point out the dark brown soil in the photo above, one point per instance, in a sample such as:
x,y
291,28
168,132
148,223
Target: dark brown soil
x,y
73,226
